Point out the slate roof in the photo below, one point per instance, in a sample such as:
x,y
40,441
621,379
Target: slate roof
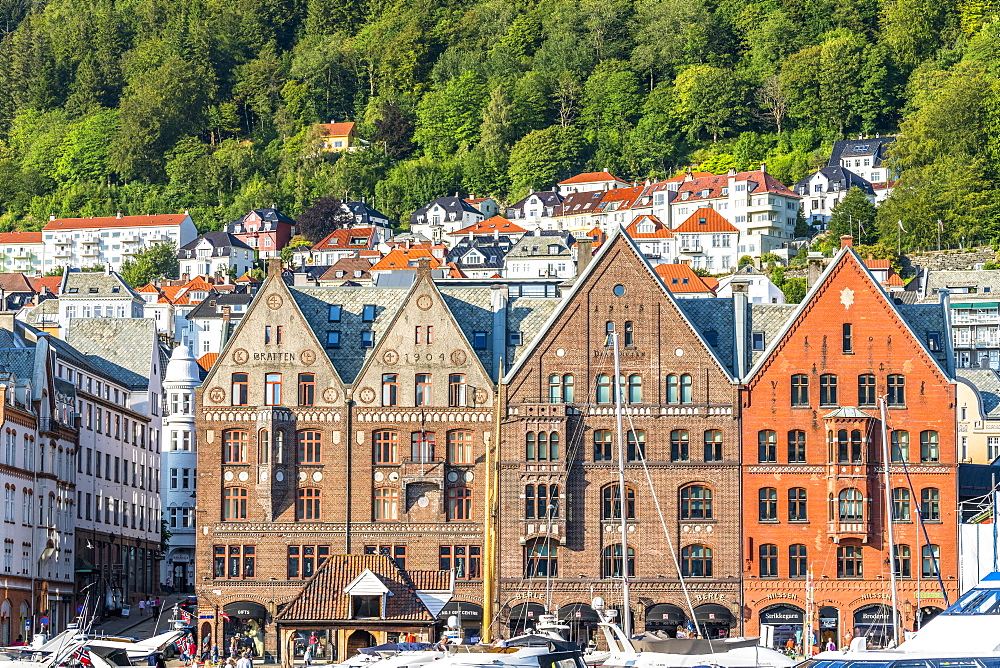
x,y
987,383
121,347
848,412
91,283
18,361
845,178
322,598
349,266
222,244
212,306
367,215
767,318
43,314
924,319
487,247
536,245
453,207
986,278
713,315
851,148
548,198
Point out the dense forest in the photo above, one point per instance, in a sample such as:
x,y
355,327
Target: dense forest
x,y
146,106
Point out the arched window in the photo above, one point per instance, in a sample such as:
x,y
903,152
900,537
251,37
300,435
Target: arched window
x,y
308,506
673,389
530,447
611,507
696,561
849,562
798,562
278,446
611,563
696,502
900,445
603,449
685,389
386,503
930,562
930,504
604,389
901,504
569,384
541,502
767,504
768,560
797,505
636,445
553,446
767,446
385,443
851,505
929,446
460,447
796,446
541,559
542,449
713,445
235,504
234,446
680,450
309,447
635,389
263,446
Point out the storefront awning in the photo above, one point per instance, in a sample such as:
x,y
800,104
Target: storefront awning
x,y
526,613
713,613
782,614
577,612
664,614
464,610
246,610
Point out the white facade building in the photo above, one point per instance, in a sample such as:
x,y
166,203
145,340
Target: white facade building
x,y
542,254
96,295
824,189
111,240
22,252
180,460
754,283
216,254
706,240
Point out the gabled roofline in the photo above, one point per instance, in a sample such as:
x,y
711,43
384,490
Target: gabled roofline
x,y
605,248
811,294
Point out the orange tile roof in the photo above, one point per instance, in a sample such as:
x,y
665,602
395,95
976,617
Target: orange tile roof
x,y
476,200
20,238
872,263
155,220
591,177
489,226
714,222
198,283
660,231
714,184
680,278
681,177
342,238
336,129
50,282
245,278
149,287
207,360
710,282
401,258
894,279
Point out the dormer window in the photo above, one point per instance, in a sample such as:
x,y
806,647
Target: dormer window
x,y
702,221
366,607
705,192
685,194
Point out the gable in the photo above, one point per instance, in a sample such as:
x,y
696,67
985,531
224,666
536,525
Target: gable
x,y
848,293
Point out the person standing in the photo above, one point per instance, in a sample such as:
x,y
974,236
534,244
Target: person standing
x,y
244,661
142,607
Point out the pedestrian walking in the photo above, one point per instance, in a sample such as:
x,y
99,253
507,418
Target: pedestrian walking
x,y
244,661
142,607
214,654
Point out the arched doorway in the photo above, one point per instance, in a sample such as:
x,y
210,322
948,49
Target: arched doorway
x,y
829,626
206,634
582,622
524,615
926,614
357,640
874,622
665,618
714,620
470,617
245,628
5,611
786,622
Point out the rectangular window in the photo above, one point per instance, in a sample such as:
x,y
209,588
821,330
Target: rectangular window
x,y
386,447
418,334
240,392
796,446
460,448
457,390
272,389
386,504
466,560
307,389
333,339
897,390
304,560
459,504
757,340
800,390
395,552
866,389
368,339
267,334
828,390
479,340
390,389
848,337
422,389
368,313
335,310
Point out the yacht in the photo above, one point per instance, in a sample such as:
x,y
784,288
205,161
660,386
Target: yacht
x,y
104,651
966,635
651,651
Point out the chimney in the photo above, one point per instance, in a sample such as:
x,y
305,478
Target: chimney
x,y
496,235
52,216
739,286
846,241
7,320
763,167
118,216
814,268
185,277
499,304
424,268
584,253
740,325
274,267
227,313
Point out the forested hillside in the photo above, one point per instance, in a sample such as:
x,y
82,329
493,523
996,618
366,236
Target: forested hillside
x,y
160,105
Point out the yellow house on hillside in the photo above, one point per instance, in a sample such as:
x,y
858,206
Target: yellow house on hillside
x,y
338,137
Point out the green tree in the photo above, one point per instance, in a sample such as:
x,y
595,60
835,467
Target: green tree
x,y
795,290
544,157
156,262
709,100
323,216
854,215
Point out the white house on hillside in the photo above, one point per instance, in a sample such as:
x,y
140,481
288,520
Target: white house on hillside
x,y
215,254
707,241
111,240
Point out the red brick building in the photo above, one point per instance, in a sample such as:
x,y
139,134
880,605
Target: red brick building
x,y
561,516
814,505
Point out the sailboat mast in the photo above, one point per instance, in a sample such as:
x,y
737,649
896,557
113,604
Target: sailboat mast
x,y
622,499
888,522
491,520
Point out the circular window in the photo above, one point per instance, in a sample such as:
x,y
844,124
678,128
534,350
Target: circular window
x,y
619,290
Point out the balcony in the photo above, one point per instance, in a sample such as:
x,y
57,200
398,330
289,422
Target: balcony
x,y
691,248
63,242
131,238
90,251
21,254
64,253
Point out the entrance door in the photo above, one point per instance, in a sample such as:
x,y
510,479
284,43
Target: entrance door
x,y
357,640
180,577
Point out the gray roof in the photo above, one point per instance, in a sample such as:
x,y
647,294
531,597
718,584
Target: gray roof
x,y
536,245
212,306
836,175
860,148
986,282
18,361
122,347
89,283
549,199
849,412
44,313
987,384
454,207
486,246
767,318
925,320
270,218
222,245
713,315
367,215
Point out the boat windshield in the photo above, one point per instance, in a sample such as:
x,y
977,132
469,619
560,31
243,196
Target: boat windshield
x,y
977,602
908,663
